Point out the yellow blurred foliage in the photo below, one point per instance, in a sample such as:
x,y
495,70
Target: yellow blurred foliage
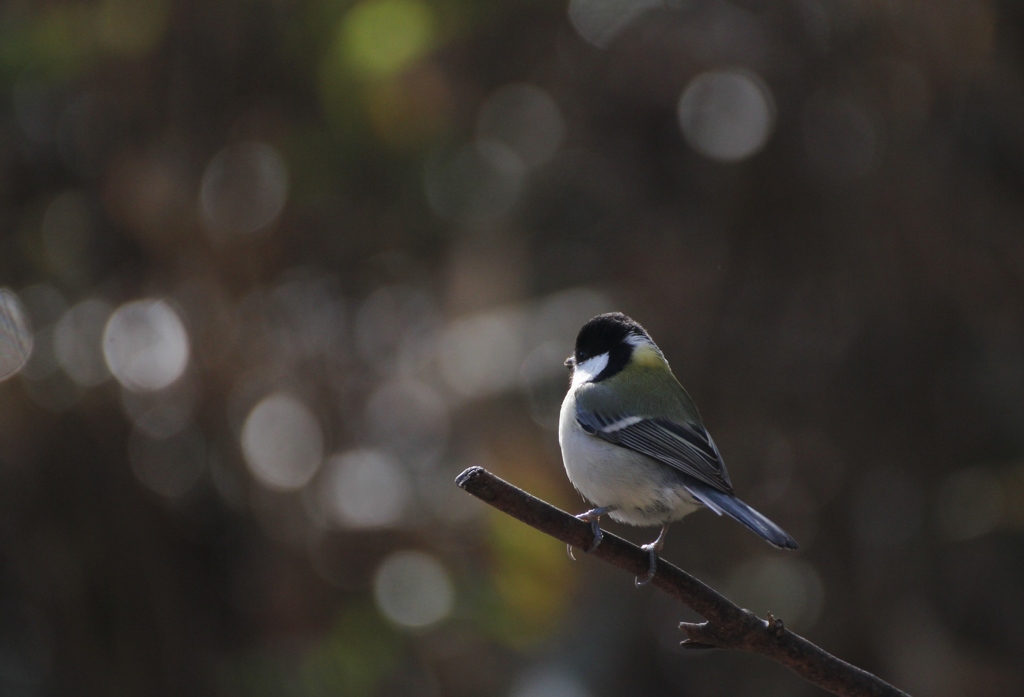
x,y
533,579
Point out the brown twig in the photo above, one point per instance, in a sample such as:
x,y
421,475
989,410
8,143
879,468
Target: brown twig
x,y
727,626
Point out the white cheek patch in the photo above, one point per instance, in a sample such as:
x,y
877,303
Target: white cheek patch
x,y
589,369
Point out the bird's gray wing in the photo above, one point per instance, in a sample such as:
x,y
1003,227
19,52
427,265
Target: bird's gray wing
x,y
688,448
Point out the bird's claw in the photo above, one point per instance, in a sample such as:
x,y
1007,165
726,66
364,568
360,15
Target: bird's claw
x,y
591,517
652,549
652,569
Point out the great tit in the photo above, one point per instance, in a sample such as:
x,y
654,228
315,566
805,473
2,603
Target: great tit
x,y
633,442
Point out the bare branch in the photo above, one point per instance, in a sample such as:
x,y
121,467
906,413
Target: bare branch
x,y
728,626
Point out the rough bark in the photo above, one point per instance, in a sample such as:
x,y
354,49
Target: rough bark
x,y
727,625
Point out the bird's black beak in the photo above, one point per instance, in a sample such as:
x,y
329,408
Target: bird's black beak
x,y
570,362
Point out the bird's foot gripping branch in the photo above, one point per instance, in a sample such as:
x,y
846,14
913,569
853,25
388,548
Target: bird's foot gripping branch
x,y
727,626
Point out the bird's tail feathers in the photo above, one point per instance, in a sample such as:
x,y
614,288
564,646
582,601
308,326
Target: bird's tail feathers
x,y
720,502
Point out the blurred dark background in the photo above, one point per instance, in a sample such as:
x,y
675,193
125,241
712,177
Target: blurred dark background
x,y
276,271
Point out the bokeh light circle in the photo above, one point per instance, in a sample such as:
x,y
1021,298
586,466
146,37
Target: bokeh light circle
x,y
543,378
600,21
161,414
78,342
550,681
381,37
282,442
392,319
413,589
481,354
411,419
244,189
526,119
15,335
790,588
145,345
479,181
726,115
365,489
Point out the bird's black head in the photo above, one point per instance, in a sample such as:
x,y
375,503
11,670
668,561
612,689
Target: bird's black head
x,y
608,333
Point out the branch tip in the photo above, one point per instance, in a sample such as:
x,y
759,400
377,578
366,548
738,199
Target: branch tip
x,y
467,474
477,481
691,645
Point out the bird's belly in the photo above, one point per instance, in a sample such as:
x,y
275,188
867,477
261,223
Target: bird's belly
x,y
641,490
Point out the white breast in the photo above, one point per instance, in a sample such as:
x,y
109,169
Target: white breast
x,y
642,490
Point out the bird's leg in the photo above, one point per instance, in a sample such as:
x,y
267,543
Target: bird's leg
x,y
593,516
653,548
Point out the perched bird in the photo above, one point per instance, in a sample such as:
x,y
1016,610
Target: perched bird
x,y
633,442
